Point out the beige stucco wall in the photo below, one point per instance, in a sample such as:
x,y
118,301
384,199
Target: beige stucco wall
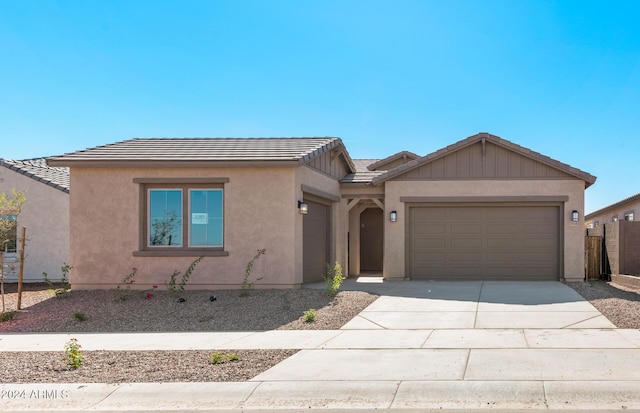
x,y
45,215
260,212
394,242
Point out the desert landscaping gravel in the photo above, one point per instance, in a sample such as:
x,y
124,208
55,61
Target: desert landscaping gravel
x,y
105,311
135,311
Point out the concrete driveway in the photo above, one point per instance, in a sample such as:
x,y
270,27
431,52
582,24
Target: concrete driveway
x,y
473,345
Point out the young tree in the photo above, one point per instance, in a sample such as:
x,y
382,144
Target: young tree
x,y
10,207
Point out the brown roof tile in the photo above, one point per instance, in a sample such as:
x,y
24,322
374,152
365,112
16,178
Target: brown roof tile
x,y
204,149
56,177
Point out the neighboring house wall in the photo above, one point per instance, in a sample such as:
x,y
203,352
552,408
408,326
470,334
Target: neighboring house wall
x,y
260,211
617,213
45,215
395,233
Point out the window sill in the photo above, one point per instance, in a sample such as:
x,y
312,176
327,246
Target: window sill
x,y
181,253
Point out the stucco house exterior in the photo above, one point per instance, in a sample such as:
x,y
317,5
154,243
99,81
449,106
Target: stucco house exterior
x,y
482,208
624,210
45,215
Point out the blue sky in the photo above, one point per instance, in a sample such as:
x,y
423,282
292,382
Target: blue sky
x,y
559,77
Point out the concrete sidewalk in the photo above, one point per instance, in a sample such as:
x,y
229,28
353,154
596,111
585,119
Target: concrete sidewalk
x,y
422,346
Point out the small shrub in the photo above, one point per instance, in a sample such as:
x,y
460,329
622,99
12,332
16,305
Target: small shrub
x,y
309,315
333,279
172,286
126,284
246,284
79,316
218,357
63,286
73,354
7,316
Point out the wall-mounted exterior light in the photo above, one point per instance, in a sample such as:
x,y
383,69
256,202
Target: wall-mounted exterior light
x,y
575,216
393,216
303,207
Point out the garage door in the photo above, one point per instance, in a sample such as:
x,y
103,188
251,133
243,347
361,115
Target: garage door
x,y
315,239
484,243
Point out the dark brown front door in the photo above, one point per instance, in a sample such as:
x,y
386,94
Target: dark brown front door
x,y
371,243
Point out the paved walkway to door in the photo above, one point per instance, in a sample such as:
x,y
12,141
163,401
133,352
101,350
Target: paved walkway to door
x,y
441,346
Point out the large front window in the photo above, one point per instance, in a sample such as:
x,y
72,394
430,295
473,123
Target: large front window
x,y
10,244
185,217
181,217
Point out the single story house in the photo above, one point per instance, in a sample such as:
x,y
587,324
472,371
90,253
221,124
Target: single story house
x,y
45,215
624,210
482,208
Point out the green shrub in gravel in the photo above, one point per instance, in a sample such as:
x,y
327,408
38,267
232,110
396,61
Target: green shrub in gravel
x,y
309,315
7,316
333,279
73,354
218,357
79,316
246,284
172,287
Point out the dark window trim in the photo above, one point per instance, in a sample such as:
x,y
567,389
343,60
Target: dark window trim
x,y
184,184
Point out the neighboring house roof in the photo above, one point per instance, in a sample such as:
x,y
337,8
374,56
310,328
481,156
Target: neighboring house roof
x,y
405,155
586,177
618,204
169,151
37,168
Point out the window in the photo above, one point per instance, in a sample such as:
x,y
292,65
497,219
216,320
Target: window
x,y
11,247
628,216
182,217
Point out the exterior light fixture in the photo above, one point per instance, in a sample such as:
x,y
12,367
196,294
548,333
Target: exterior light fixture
x,y
303,207
393,216
574,216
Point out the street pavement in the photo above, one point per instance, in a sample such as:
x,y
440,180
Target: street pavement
x,y
421,346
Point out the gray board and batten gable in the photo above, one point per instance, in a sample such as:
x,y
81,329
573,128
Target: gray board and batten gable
x,y
318,153
484,156
37,168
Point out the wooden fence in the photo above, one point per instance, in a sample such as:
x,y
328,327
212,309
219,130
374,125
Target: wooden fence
x,y
593,257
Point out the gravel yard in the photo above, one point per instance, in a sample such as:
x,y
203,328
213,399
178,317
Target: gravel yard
x,y
105,311
134,311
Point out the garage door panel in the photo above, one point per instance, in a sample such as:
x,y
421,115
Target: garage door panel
x,y
466,257
467,228
465,215
431,243
430,229
503,228
503,244
429,257
466,244
485,242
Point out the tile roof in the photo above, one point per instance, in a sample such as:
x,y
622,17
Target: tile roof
x,y
400,155
361,177
588,178
625,201
204,149
362,165
56,177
